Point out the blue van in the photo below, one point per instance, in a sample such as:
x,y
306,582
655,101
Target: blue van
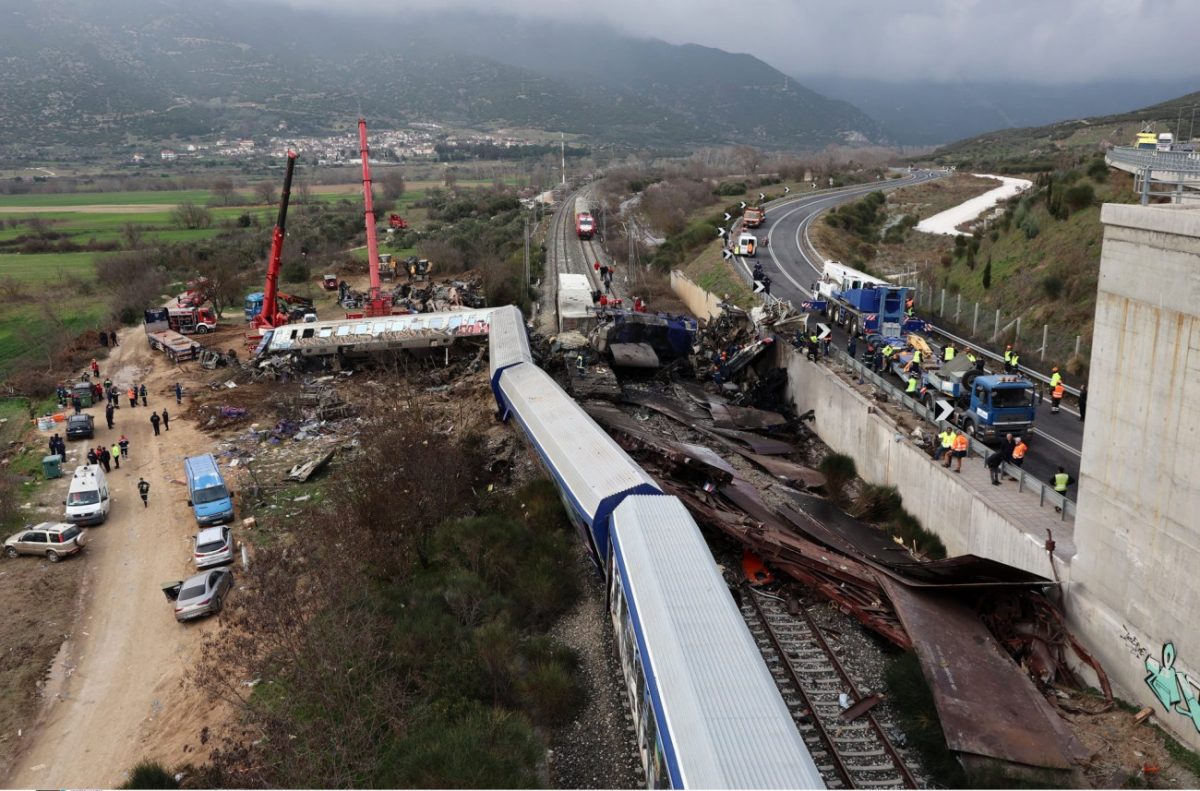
x,y
207,494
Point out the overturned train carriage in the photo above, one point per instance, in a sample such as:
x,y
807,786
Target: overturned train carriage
x,y
363,337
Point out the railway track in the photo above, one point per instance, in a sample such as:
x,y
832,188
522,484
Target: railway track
x,y
856,754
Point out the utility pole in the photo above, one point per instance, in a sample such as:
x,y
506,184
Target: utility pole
x,y
526,251
563,141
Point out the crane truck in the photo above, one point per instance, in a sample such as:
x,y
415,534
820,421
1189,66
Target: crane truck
x,y
379,302
862,303
269,315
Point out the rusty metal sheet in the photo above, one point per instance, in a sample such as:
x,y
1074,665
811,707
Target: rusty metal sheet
x,y
987,704
753,419
633,355
860,708
761,445
821,521
633,437
788,470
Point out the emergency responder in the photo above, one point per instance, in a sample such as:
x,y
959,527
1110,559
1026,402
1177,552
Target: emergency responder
x,y
1055,377
1008,355
948,353
1019,451
144,491
945,444
958,450
993,464
1056,397
1061,481
580,366
1083,393
911,389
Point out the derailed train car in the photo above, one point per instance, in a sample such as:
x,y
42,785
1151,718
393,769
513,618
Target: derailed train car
x,y
707,711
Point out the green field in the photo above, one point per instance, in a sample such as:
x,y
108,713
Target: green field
x,y
45,268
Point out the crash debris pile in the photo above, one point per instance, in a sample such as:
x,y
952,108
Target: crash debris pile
x,y
423,297
728,460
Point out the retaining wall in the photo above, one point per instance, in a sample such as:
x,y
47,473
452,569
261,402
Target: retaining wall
x,y
702,304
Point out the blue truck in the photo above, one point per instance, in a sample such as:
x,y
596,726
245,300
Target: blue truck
x,y
986,406
863,304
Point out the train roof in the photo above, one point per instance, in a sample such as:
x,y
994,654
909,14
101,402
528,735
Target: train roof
x,y
725,717
591,468
508,343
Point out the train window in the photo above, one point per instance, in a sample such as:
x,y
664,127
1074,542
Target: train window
x,y
659,777
361,329
343,330
294,334
307,334
378,328
325,332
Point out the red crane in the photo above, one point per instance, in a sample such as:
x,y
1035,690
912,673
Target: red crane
x,y
379,302
269,316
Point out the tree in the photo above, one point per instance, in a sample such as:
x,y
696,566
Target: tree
x,y
1080,196
393,184
451,178
226,275
987,273
224,194
191,217
265,192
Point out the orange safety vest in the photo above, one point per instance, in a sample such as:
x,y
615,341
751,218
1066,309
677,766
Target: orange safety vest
x,y
960,442
1058,391
1019,451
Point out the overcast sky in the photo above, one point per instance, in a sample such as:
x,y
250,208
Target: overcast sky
x,y
1042,40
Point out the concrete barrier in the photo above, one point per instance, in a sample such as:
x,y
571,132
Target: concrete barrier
x,y
701,303
850,423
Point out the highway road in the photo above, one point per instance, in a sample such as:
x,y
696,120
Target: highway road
x,y
793,265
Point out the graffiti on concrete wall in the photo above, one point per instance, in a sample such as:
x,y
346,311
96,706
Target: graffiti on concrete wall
x,y
1175,690
1134,644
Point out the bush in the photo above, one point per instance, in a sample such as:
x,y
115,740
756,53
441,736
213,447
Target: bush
x,y
839,470
730,188
150,774
1080,196
987,274
1098,170
295,272
1053,286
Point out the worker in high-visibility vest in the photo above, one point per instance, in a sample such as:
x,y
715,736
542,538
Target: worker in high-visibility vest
x,y
945,444
958,450
1055,377
1008,355
1061,481
1019,451
1016,362
911,390
1056,397
948,353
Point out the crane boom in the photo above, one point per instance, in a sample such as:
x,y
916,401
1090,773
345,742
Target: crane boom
x,y
268,316
379,303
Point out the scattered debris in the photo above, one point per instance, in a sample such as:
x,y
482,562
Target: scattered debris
x,y
302,472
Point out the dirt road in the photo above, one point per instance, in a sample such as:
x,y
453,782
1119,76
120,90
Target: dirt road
x,y
117,691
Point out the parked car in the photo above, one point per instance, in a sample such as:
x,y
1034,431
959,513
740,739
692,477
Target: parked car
x,y
201,594
214,546
52,540
81,426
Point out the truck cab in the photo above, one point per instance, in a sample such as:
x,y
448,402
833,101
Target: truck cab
x,y
998,405
253,305
753,217
188,321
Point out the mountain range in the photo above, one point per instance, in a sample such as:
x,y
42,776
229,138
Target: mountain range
x,y
128,72
925,112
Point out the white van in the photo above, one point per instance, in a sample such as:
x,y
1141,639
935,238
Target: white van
x,y
88,501
747,244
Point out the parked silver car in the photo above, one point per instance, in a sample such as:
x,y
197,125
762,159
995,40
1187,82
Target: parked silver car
x,y
201,594
214,546
52,540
